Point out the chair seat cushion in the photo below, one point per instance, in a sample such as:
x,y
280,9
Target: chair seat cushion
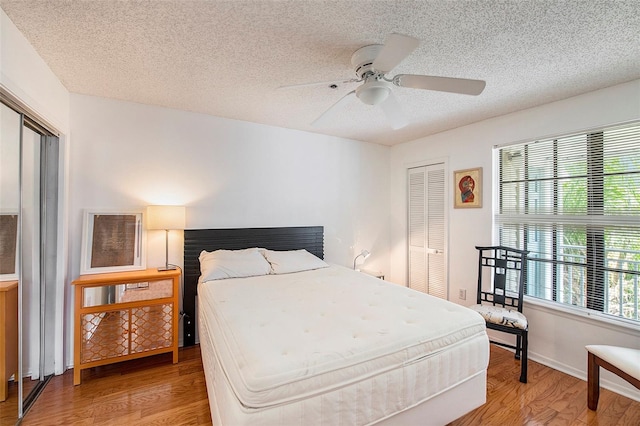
x,y
502,316
626,359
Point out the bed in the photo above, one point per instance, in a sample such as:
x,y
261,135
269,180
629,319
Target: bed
x,y
326,344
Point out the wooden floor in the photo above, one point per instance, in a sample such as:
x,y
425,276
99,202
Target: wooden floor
x,y
147,391
155,392
549,398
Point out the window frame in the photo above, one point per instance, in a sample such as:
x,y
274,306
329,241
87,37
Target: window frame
x,y
596,294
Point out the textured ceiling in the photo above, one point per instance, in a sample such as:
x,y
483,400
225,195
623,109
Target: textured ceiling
x,y
227,58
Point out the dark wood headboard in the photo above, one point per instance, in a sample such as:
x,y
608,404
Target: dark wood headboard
x,y
310,238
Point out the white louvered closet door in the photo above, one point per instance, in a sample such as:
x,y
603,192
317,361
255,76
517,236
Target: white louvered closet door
x,y
427,230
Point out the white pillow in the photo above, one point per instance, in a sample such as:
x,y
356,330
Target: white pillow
x,y
222,264
284,262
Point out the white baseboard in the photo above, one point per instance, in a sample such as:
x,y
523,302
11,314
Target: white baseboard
x,y
580,374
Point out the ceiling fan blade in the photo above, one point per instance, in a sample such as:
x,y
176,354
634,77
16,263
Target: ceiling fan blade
x,y
330,113
393,111
441,84
395,49
319,83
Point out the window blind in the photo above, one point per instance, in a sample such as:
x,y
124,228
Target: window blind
x,y
574,202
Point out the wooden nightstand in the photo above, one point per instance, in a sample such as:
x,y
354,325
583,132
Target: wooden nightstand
x,y
125,315
8,334
377,274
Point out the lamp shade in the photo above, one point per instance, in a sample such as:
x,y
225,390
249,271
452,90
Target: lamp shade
x,y
166,217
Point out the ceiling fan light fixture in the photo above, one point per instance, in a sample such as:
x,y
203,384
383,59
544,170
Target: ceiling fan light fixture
x,y
373,92
373,62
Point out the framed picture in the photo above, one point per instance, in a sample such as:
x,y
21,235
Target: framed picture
x,y
467,188
8,246
112,241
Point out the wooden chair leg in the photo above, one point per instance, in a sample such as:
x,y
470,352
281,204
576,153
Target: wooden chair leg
x,y
593,382
524,358
518,346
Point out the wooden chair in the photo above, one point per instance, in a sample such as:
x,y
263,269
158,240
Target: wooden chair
x,y
501,306
623,362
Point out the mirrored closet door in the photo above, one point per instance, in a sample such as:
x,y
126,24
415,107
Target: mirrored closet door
x,y
9,262
28,259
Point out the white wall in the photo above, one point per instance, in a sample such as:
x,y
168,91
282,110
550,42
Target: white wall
x,y
227,173
25,74
557,340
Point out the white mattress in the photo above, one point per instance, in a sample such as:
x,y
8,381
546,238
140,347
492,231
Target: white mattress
x,y
331,345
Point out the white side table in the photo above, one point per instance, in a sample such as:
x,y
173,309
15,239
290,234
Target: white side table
x,y
377,274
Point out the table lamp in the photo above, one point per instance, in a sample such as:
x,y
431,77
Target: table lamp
x,y
167,218
364,254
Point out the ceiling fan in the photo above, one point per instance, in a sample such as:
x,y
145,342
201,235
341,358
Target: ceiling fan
x,y
373,62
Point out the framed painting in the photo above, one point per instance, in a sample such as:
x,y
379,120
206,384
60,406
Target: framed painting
x,y
8,246
467,188
112,241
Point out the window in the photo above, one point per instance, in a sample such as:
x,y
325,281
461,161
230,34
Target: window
x,y
574,203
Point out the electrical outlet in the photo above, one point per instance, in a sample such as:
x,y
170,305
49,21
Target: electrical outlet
x,y
462,294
